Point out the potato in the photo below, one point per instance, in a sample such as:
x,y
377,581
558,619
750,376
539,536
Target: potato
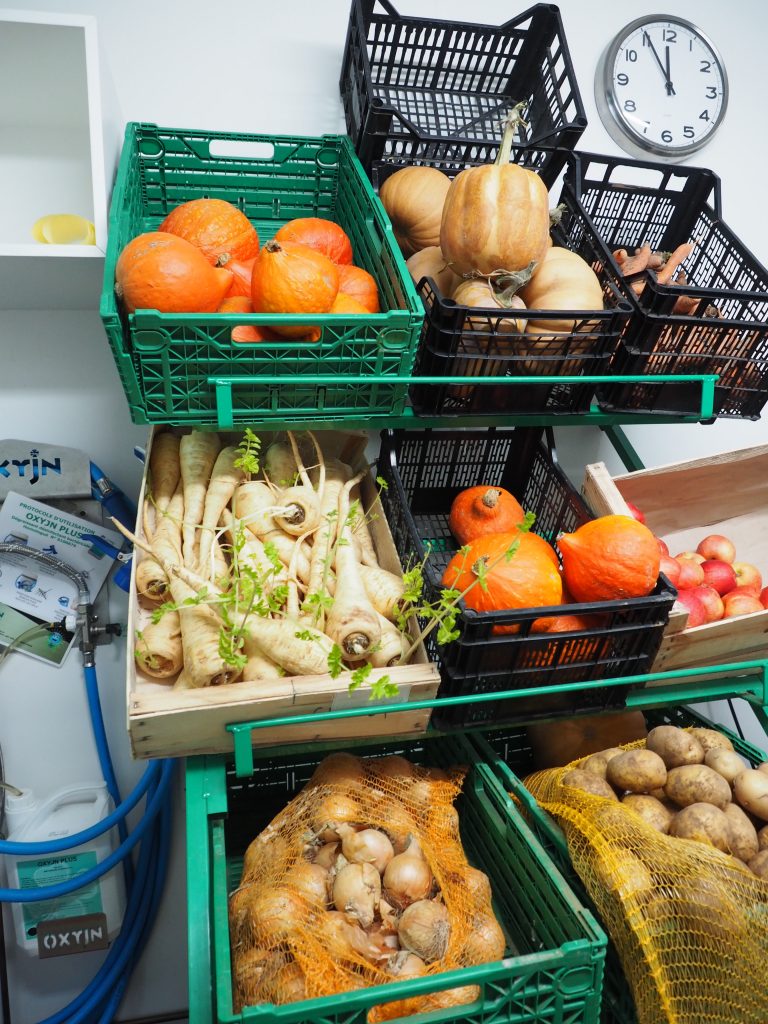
x,y
697,784
725,762
742,834
674,746
763,767
759,864
702,823
588,782
650,810
597,763
637,771
627,876
711,738
762,838
750,789
658,793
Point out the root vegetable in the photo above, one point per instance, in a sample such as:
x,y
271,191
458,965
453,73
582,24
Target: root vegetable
x,y
278,638
391,648
351,621
252,971
225,477
695,783
253,504
288,985
674,746
703,823
248,554
338,768
200,639
710,739
356,893
343,938
164,469
485,942
280,464
404,965
742,835
478,884
151,578
667,273
750,790
638,771
725,762
319,580
425,929
407,879
651,810
762,838
598,763
759,864
588,782
301,503
258,667
383,589
197,454
274,915
333,810
392,766
369,846
326,855
310,881
159,649
362,535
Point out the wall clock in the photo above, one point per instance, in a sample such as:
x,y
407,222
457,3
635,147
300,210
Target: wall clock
x,y
661,88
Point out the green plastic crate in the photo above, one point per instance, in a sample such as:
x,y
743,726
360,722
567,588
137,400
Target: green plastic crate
x,y
509,755
184,368
552,973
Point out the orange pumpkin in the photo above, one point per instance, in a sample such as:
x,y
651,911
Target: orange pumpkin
x,y
344,303
480,510
360,285
235,304
160,271
318,233
610,558
242,272
218,229
577,651
528,579
292,278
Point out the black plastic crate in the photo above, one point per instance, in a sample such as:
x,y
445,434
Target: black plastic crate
x,y
632,202
424,470
418,88
461,341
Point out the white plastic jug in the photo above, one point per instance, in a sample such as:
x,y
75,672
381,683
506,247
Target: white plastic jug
x,y
62,814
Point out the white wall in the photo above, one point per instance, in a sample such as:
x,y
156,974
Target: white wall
x,y
251,66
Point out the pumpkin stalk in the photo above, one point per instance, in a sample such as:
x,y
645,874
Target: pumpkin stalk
x,y
491,497
513,120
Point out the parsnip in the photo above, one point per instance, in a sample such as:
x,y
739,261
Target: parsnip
x,y
384,590
164,468
159,650
151,578
252,503
200,637
225,477
392,646
197,454
336,475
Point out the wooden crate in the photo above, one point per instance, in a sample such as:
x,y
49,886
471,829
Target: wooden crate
x,y
682,503
164,722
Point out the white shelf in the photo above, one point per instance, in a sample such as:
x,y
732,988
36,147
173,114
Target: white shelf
x,y
59,143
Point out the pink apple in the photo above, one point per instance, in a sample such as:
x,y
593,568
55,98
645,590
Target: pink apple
x,y
747,575
719,575
671,569
663,546
690,556
739,603
713,603
691,574
635,512
697,614
716,546
764,597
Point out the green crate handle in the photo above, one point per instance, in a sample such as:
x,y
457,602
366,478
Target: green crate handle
x,y
749,681
226,416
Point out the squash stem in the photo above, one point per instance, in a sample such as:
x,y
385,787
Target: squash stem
x,y
513,120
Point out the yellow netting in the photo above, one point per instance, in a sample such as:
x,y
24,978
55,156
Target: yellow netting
x,y
690,924
290,941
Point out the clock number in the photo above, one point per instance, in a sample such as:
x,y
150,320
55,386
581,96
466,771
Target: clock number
x,y
711,92
669,35
622,79
630,55
704,115
705,66
688,132
629,106
666,136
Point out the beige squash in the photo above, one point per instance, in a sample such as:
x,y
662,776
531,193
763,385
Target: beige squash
x,y
430,262
413,197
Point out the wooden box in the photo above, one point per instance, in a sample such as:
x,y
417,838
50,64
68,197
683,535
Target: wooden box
x,y
682,503
165,722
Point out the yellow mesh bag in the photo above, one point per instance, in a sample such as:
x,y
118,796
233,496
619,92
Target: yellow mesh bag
x,y
689,923
289,942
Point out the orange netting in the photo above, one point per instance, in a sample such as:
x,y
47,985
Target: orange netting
x,y
301,928
690,923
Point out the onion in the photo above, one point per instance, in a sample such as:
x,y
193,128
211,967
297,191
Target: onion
x,y
334,809
251,971
485,942
453,997
275,915
392,766
444,819
310,881
384,939
289,985
326,854
356,892
424,930
342,938
478,884
268,847
406,965
367,847
407,879
396,820
338,768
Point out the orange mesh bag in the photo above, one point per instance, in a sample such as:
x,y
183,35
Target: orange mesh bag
x,y
689,922
361,880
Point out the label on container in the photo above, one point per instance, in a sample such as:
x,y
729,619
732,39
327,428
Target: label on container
x,y
68,935
40,871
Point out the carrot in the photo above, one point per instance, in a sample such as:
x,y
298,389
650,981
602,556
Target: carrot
x,y
164,468
151,578
684,304
391,647
635,264
681,253
225,477
159,650
197,454
352,621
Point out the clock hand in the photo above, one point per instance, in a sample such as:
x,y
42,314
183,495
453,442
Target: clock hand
x,y
670,88
662,69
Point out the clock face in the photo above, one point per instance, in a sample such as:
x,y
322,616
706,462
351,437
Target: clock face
x,y
661,88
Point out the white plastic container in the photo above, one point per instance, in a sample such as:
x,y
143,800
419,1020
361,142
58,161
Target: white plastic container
x,y
62,814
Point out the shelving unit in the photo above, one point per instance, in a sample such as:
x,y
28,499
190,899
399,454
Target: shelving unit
x,y
59,152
